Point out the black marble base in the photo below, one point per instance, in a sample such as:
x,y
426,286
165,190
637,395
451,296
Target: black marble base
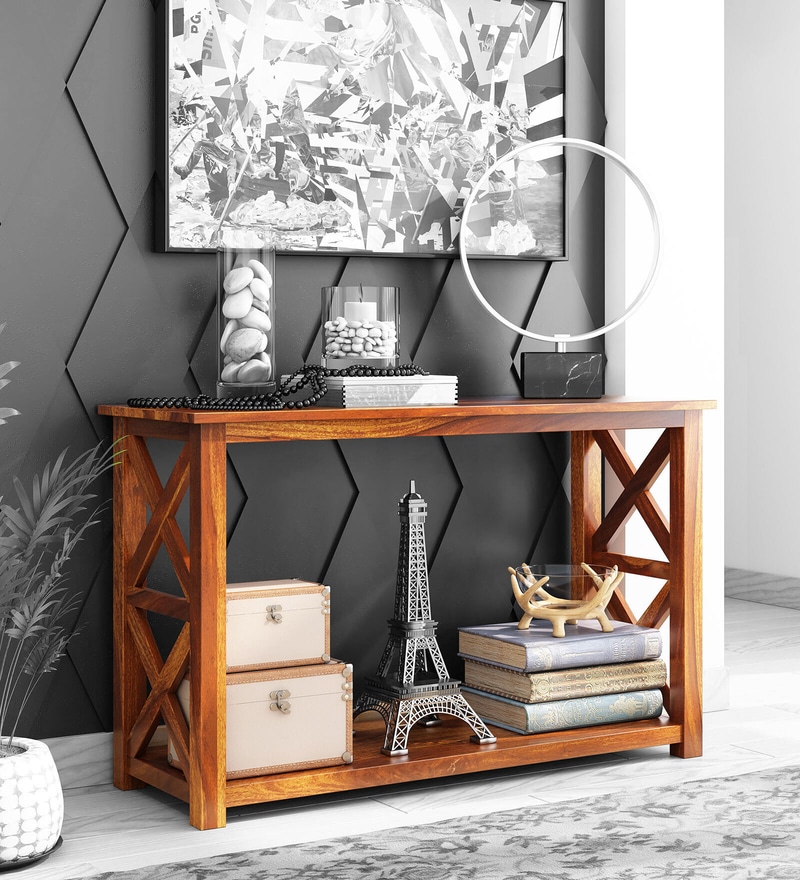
x,y
567,374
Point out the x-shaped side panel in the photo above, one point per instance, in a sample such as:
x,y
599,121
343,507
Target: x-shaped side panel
x,y
636,490
636,485
164,502
164,678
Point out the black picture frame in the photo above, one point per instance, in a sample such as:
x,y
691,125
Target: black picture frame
x,y
355,128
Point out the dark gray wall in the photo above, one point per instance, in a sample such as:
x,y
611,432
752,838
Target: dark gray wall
x,y
95,315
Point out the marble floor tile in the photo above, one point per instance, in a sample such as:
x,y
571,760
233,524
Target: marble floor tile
x,y
497,789
793,706
775,747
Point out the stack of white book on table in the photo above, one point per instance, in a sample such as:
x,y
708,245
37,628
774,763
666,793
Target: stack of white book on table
x,y
371,391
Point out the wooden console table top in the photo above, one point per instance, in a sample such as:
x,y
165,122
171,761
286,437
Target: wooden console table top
x,y
499,406
496,415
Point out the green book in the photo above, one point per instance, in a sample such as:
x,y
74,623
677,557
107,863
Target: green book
x,y
563,714
565,684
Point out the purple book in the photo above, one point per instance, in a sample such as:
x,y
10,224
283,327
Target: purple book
x,y
536,649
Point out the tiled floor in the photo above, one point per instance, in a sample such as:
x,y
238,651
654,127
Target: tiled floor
x,y
106,829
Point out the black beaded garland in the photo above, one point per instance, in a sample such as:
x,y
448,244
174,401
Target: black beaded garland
x,y
309,376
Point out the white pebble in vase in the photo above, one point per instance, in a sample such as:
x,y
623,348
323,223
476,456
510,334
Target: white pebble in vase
x,y
245,314
237,305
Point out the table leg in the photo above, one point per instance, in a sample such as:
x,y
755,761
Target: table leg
x,y
686,568
207,781
130,516
586,495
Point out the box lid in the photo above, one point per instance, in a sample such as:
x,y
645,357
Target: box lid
x,y
262,686
295,682
283,595
277,586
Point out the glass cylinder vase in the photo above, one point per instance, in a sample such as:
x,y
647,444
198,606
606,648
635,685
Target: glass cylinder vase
x,y
360,325
246,320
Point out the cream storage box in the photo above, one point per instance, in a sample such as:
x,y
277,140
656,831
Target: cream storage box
x,y
277,623
284,719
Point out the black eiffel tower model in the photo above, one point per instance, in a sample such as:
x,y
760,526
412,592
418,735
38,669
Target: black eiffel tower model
x,y
404,691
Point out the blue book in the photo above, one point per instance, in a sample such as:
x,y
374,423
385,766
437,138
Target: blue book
x,y
564,714
536,649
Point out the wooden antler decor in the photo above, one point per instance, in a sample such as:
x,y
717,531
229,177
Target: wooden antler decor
x,y
536,602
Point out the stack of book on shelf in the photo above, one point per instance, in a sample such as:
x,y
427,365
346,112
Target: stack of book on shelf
x,y
367,391
527,681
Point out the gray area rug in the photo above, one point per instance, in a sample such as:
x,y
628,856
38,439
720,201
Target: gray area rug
x,y
734,828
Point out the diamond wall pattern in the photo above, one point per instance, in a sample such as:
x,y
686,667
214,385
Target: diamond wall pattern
x,y
95,315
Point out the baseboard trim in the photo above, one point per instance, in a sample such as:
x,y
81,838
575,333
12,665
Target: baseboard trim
x,y
84,759
716,689
757,586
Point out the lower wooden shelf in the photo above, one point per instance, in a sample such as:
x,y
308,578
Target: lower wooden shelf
x,y
434,752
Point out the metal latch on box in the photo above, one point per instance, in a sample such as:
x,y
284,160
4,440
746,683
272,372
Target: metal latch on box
x,y
274,613
281,702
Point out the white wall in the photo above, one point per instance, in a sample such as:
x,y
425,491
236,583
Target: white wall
x,y
664,102
763,309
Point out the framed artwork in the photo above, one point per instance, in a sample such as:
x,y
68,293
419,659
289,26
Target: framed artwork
x,y
356,126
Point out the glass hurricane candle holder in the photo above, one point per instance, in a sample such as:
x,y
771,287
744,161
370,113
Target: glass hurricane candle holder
x,y
360,325
246,319
564,581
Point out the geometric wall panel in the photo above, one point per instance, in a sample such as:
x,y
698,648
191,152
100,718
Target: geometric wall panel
x,y
95,315
464,339
500,511
128,345
363,570
112,121
39,48
297,496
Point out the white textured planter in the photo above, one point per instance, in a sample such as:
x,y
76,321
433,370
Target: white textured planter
x,y
31,804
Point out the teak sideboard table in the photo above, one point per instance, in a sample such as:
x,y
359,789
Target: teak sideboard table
x,y
145,684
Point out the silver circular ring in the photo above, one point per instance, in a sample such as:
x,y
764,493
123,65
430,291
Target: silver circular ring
x,y
615,159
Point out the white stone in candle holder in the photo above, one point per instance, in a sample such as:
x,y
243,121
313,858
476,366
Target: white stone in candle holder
x,y
360,326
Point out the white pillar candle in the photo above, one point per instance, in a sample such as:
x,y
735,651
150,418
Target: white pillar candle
x,y
360,311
